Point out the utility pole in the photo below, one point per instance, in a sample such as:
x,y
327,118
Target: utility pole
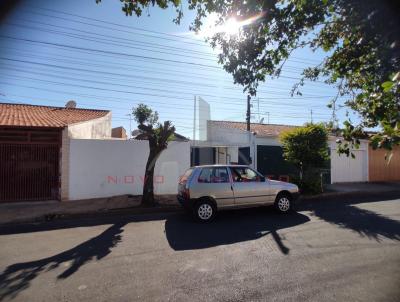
x,y
311,116
194,119
248,113
130,125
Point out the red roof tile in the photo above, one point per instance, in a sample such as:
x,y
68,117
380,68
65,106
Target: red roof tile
x,y
45,116
262,130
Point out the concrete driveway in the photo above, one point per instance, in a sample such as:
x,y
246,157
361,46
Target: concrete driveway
x,y
330,250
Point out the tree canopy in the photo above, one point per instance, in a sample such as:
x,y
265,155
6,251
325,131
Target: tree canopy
x,y
361,40
306,147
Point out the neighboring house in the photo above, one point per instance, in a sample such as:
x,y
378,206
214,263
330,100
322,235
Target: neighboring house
x,y
69,153
34,147
139,135
229,142
119,132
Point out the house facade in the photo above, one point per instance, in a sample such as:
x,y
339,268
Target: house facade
x,y
229,142
34,148
66,154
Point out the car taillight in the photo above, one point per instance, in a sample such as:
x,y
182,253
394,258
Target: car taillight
x,y
186,193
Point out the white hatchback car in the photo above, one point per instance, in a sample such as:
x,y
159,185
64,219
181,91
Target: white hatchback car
x,y
203,190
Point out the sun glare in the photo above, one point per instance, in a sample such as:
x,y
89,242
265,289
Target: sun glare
x,y
231,26
209,28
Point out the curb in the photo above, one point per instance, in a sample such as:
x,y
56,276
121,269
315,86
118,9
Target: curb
x,y
177,208
348,194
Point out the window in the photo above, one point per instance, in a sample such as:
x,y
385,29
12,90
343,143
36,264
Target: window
x,y
244,174
213,175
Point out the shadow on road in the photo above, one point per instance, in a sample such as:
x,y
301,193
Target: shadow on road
x,y
345,213
230,227
17,277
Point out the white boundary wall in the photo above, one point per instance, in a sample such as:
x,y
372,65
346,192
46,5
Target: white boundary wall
x,y
104,168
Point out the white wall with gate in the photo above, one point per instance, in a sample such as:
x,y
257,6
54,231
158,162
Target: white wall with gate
x,y
104,168
348,169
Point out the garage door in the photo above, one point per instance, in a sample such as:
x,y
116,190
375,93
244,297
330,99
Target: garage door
x,y
382,169
348,169
29,165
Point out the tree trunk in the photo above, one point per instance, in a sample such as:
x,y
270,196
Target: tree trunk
x,y
148,185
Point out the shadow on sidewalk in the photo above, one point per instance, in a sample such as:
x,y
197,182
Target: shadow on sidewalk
x,y
17,277
230,227
343,211
77,221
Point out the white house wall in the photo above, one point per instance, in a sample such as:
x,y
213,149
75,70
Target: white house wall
x,y
233,153
227,136
268,141
99,128
104,168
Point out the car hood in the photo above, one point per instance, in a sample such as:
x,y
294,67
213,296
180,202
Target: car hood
x,y
283,184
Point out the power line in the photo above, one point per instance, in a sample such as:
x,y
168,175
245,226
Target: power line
x,y
123,116
135,102
119,99
125,42
104,52
149,79
109,52
125,67
134,28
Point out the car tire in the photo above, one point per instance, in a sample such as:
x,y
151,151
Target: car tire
x,y
205,210
284,203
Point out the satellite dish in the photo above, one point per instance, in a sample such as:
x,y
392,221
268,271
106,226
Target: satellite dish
x,y
70,104
262,120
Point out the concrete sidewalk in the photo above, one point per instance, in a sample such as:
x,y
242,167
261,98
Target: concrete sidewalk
x,y
20,212
363,187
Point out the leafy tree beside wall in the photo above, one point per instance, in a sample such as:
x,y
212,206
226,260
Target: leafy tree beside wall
x,y
307,148
158,135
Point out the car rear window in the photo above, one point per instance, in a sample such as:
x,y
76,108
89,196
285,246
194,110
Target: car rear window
x,y
184,178
213,175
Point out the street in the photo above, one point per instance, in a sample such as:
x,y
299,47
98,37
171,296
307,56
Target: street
x,y
329,250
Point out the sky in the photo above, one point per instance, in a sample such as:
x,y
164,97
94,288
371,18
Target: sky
x,y
55,51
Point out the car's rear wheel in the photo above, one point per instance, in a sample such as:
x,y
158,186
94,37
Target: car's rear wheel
x,y
205,210
284,203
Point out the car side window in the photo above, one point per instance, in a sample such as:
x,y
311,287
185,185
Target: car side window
x,y
243,174
213,175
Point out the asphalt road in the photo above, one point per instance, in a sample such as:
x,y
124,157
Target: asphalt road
x,y
332,250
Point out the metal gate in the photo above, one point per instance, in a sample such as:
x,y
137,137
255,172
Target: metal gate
x,y
29,170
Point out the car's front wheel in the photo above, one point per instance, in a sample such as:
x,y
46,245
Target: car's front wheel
x,y
205,210
284,203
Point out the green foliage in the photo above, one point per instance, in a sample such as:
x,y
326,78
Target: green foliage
x,y
306,147
310,183
130,7
144,114
157,134
361,39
